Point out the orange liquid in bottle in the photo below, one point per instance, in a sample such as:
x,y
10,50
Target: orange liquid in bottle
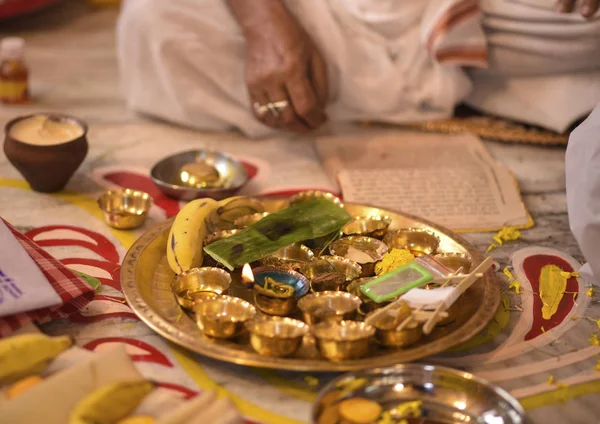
x,y
14,74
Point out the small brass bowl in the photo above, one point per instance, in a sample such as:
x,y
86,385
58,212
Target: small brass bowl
x,y
276,336
292,257
367,304
366,251
199,173
455,261
375,226
211,238
385,328
279,306
224,317
249,220
275,306
328,275
125,209
417,240
219,235
328,305
315,194
199,284
338,341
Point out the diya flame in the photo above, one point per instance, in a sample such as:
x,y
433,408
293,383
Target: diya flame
x,y
247,275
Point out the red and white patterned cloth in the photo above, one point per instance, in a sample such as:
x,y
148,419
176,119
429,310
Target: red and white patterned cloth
x,y
73,291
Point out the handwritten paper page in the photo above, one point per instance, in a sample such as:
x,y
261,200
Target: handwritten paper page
x,y
23,287
449,179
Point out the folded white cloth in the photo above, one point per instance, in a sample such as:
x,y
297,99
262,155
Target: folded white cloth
x,y
23,287
431,299
582,165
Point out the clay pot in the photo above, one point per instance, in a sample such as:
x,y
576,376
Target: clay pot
x,y
47,169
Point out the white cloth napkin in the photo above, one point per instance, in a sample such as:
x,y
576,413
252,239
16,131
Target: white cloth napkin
x,y
582,165
23,287
430,299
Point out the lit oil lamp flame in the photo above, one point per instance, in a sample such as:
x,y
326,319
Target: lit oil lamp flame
x,y
247,275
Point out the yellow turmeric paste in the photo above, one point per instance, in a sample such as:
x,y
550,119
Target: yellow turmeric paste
x,y
392,260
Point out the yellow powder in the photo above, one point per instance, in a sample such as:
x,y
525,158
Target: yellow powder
x,y
392,260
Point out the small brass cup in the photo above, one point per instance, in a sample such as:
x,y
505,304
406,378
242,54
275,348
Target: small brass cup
x,y
367,304
223,317
219,235
315,194
198,284
249,220
375,226
329,305
386,324
278,306
366,251
455,261
275,306
417,240
339,341
125,209
292,257
276,336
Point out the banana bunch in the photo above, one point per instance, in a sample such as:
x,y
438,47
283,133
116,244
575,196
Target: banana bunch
x,y
110,403
29,354
196,220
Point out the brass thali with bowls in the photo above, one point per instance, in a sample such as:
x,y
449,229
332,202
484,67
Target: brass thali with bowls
x,y
147,282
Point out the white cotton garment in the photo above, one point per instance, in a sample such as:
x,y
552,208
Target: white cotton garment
x,y
582,165
544,66
388,60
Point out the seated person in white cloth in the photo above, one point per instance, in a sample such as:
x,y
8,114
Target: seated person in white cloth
x,y
583,192
266,65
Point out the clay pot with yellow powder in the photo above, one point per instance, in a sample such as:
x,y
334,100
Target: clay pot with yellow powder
x,y
46,149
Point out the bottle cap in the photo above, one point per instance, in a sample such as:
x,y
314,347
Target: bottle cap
x,y
12,48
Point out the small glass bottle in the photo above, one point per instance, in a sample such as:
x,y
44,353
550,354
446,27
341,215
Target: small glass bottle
x,y
14,74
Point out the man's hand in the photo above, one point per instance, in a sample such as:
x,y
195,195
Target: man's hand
x,y
588,7
283,67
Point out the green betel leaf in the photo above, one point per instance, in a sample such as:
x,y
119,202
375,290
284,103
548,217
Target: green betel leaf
x,y
302,221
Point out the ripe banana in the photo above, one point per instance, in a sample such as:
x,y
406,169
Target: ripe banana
x,y
138,419
184,246
28,354
199,218
110,403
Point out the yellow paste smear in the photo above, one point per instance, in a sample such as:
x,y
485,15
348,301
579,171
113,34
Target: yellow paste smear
x,y
552,289
274,288
392,260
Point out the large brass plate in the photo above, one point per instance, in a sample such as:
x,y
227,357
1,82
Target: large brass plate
x,y
146,281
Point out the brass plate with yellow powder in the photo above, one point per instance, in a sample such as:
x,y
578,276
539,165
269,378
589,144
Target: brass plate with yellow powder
x,y
146,280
